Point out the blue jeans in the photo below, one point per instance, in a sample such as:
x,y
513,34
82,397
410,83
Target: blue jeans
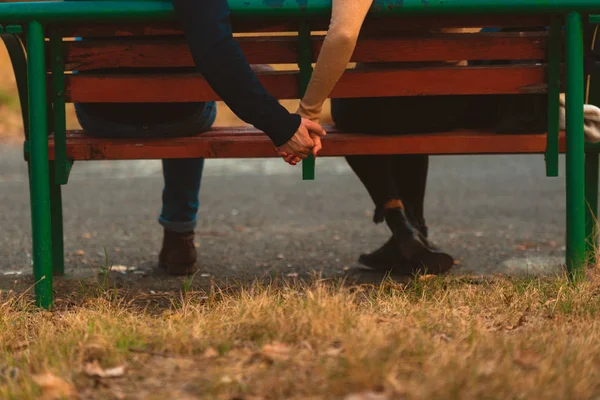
x,y
182,177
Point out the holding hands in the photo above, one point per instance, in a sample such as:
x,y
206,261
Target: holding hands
x,y
307,140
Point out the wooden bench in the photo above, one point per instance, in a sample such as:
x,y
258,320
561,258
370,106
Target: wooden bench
x,y
46,83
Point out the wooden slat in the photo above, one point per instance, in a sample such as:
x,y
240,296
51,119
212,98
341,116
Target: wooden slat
x,y
371,25
284,85
89,55
249,143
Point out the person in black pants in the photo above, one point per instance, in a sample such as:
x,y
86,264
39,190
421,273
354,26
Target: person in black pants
x,y
397,183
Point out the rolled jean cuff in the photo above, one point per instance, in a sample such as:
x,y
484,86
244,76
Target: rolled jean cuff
x,y
179,226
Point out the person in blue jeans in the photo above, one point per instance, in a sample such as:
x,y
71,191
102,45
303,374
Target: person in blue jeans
x,y
220,60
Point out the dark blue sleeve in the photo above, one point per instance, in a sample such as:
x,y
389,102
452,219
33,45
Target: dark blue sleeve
x,y
220,60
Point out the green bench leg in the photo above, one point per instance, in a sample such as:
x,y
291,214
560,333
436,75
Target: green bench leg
x,y
591,199
305,67
575,148
58,252
40,167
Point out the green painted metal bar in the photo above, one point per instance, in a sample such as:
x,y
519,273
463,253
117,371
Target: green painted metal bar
x,y
61,163
106,11
554,76
16,29
58,248
40,168
591,199
575,147
592,96
16,53
305,66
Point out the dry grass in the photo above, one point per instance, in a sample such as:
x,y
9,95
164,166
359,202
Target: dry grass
x,y
440,338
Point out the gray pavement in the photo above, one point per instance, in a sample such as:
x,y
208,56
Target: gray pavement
x,y
495,214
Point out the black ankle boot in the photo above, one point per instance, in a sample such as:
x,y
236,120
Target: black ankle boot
x,y
386,258
408,251
408,239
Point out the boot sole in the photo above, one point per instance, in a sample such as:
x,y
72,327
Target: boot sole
x,y
424,262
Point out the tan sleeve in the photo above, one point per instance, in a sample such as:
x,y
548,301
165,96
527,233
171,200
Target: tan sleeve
x,y
347,17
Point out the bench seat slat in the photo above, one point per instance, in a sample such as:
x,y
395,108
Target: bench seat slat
x,y
249,143
284,85
88,55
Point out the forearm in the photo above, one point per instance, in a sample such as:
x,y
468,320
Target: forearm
x,y
220,60
339,44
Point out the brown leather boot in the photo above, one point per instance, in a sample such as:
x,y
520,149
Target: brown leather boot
x,y
178,253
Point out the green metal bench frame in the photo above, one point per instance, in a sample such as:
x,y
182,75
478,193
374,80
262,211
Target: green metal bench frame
x,y
46,177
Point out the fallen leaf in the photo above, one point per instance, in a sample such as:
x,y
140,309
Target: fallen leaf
x,y
487,368
528,359
306,345
54,388
94,370
292,275
87,236
119,268
442,337
280,256
426,278
210,353
80,253
367,396
518,324
276,351
528,246
334,351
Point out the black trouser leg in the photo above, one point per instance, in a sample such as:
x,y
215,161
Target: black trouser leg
x,y
377,175
410,174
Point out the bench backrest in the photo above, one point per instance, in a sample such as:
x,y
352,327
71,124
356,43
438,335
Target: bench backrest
x,y
390,43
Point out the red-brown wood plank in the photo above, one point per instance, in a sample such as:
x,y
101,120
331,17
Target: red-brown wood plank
x,y
249,143
142,53
371,25
284,85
